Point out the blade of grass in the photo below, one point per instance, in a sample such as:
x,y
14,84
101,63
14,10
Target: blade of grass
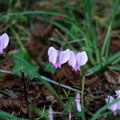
x,y
4,115
88,44
107,39
115,68
102,65
20,43
106,44
97,114
116,61
55,23
60,26
88,8
2,16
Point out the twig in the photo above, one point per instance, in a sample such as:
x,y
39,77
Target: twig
x,y
48,80
58,32
62,85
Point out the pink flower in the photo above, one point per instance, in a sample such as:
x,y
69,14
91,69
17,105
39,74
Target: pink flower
x,y
50,114
118,97
113,107
117,93
70,115
77,100
4,40
57,58
77,60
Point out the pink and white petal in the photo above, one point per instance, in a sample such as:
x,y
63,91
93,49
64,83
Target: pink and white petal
x,y
109,99
82,58
114,113
72,60
113,107
1,49
53,55
117,93
77,100
4,40
78,105
64,56
118,103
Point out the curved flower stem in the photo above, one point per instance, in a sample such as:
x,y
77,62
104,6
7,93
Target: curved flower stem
x,y
59,89
82,100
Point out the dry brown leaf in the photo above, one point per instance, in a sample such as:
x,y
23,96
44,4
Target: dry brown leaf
x,y
14,104
9,81
112,77
93,82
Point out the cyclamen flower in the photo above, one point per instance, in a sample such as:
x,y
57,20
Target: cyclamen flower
x,y
4,40
77,60
77,100
113,107
117,93
70,115
118,96
57,58
50,114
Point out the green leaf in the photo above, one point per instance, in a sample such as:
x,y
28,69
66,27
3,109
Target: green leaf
x,y
88,11
103,64
41,113
22,65
106,44
115,68
7,116
49,68
20,43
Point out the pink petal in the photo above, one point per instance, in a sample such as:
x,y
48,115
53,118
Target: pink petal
x,y
81,58
4,40
114,113
1,49
53,55
118,103
50,114
113,107
64,56
109,99
70,115
117,93
77,100
78,105
72,60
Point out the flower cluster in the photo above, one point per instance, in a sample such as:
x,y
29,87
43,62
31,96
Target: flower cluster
x,y
75,60
4,40
116,106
